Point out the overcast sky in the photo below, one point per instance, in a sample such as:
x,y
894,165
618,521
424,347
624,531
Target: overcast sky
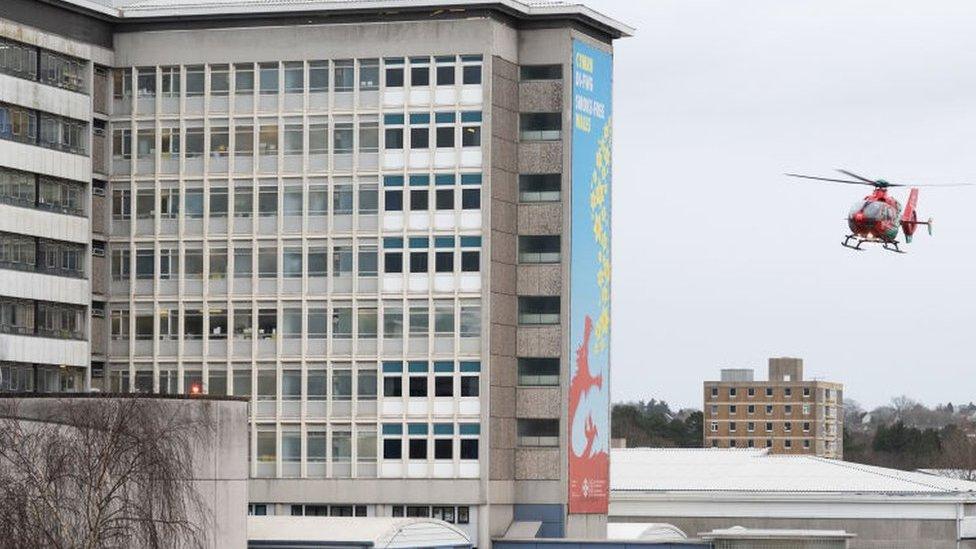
x,y
720,261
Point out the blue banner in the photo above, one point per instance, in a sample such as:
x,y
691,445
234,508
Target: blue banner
x,y
589,389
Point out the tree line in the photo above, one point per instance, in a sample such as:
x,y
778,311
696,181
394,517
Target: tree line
x,y
904,434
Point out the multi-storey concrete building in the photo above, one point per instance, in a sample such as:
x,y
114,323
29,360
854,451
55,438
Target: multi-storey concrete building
x,y
359,214
787,414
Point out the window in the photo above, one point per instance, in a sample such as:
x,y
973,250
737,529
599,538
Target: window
x,y
418,262
806,426
267,262
342,138
345,79
144,264
268,78
471,74
732,392
444,199
470,199
731,426
219,80
471,136
751,409
538,432
469,450
243,263
393,386
120,265
419,320
714,392
787,392
18,124
393,138
445,75
470,319
418,448
538,310
419,138
17,187
268,139
194,143
318,76
268,201
244,140
369,74
539,249
419,72
20,60
291,264
788,444
806,392
752,391
392,322
732,410
541,72
751,426
294,77
194,80
418,386
218,202
788,409
419,200
146,82
788,426
170,82
193,206
294,139
769,427
392,448
318,201
470,261
540,126
769,392
62,71
369,137
444,137
444,262
394,73
219,141
444,386
769,409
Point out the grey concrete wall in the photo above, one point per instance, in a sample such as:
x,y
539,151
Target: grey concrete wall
x,y
502,288
871,533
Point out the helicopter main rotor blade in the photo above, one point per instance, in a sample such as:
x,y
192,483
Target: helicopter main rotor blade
x,y
945,185
855,176
829,179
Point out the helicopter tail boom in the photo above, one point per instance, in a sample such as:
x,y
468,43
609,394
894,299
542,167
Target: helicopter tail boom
x,y
909,218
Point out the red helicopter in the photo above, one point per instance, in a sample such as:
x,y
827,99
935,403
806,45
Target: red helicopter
x,y
877,218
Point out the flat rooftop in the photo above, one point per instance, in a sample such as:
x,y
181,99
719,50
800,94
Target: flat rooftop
x,y
757,471
529,10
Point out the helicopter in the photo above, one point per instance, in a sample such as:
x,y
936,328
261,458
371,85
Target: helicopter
x,y
878,217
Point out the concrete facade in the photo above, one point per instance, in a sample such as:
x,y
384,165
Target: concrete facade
x,y
257,227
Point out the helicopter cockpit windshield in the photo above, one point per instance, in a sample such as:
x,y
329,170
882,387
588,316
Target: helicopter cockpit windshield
x,y
872,210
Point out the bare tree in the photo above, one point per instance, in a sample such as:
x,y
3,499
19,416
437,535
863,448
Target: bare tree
x,y
89,473
958,454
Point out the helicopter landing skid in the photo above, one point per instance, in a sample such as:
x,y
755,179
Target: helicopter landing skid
x,y
890,245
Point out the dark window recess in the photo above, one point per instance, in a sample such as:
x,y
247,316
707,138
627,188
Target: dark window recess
x,y
444,386
394,138
538,309
418,386
392,386
443,448
471,199
418,262
419,138
419,200
541,187
392,448
470,261
393,201
444,262
540,126
541,72
394,77
444,199
418,448
393,262
469,448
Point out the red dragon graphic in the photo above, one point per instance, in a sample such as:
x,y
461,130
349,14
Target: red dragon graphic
x,y
589,472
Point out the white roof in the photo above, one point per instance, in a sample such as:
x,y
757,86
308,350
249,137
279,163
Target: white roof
x,y
735,470
372,531
177,8
644,531
740,532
